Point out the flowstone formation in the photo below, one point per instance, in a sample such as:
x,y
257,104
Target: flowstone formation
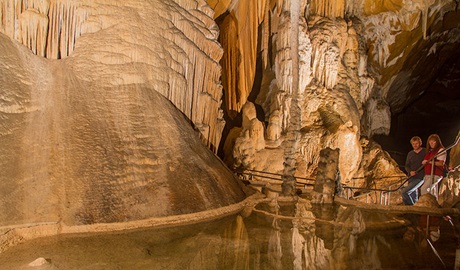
x,y
327,74
176,49
87,132
320,107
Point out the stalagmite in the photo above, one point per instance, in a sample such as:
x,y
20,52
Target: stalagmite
x,y
327,177
294,124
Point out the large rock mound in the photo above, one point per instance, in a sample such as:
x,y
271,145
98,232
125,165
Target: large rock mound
x,y
92,137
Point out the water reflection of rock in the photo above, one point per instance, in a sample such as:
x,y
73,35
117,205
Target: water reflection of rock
x,y
312,236
274,235
325,230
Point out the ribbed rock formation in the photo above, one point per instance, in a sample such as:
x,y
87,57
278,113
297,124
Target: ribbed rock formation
x,y
307,95
353,64
86,136
177,36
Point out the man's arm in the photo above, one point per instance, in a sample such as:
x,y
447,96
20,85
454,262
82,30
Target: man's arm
x,y
406,166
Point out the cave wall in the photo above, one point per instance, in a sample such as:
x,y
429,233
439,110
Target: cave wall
x,y
328,74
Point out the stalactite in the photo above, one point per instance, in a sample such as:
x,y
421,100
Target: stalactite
x,y
196,37
354,7
265,36
282,65
326,41
241,45
247,43
425,7
54,25
379,117
294,42
331,66
328,8
305,56
262,8
424,21
230,61
33,29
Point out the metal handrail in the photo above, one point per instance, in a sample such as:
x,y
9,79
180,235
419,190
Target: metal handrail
x,y
278,174
386,190
304,178
252,173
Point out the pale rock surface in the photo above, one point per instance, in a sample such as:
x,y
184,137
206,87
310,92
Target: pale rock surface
x,y
348,65
378,170
334,91
401,46
88,133
427,200
327,178
183,44
40,262
449,189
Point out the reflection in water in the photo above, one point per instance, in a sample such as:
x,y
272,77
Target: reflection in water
x,y
273,236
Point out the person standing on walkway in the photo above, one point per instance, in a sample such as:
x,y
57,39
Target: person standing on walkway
x,y
433,166
414,170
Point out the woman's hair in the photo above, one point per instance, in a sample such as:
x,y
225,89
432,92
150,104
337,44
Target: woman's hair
x,y
434,137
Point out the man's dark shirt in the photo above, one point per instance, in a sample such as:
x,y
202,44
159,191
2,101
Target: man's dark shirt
x,y
414,162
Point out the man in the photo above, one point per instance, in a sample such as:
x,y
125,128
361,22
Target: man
x,y
414,170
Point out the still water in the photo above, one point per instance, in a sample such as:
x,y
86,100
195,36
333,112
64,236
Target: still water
x,y
270,236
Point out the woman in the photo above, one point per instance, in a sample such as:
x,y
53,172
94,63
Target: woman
x,y
434,165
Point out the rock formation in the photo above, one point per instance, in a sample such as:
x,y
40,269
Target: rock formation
x,y
330,74
173,36
327,178
87,132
